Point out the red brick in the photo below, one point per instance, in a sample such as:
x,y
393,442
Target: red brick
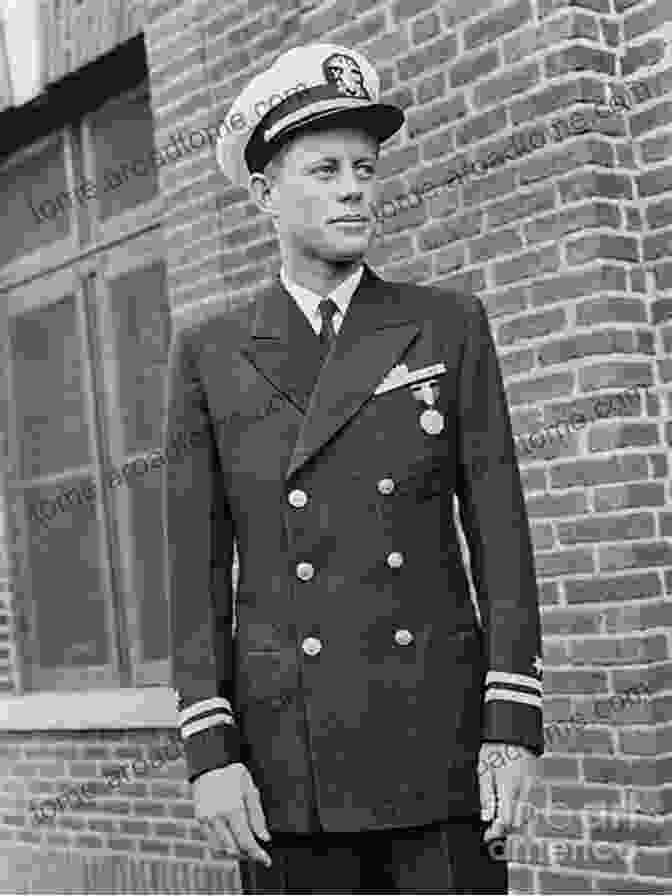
x,y
122,844
471,68
548,6
505,301
578,57
636,494
497,23
500,182
433,55
562,883
470,281
535,37
522,205
635,556
655,14
431,88
606,310
502,242
425,28
632,435
614,374
406,9
653,862
501,88
626,772
426,120
607,528
553,506
556,563
602,246
530,264
478,127
455,11
461,227
540,388
632,587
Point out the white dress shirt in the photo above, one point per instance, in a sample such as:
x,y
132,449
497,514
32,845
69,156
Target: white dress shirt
x,y
307,300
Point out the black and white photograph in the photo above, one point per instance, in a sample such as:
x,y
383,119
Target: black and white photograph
x,y
336,432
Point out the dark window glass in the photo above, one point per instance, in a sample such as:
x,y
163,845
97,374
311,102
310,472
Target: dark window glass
x,y
47,378
65,570
147,536
142,330
35,203
123,138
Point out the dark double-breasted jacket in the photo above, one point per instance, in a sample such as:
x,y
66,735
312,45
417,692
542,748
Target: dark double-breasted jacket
x,y
350,672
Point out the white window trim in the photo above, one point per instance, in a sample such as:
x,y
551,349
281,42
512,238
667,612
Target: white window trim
x,y
150,707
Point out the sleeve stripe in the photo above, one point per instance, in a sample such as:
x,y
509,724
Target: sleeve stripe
x,y
513,687
509,678
513,696
196,709
209,722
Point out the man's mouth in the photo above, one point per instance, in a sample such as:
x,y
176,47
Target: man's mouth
x,y
351,219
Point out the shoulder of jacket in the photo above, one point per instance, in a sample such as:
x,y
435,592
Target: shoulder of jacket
x,y
433,301
217,325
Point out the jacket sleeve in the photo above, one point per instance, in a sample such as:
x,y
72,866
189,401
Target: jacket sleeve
x,y
199,555
496,528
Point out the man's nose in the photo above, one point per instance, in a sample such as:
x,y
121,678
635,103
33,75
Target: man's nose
x,y
350,185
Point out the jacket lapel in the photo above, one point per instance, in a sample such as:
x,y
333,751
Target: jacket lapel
x,y
284,347
374,334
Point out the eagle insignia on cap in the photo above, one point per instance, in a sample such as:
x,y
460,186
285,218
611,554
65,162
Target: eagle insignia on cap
x,y
344,72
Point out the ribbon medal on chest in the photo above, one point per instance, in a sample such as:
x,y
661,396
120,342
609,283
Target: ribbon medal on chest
x,y
431,419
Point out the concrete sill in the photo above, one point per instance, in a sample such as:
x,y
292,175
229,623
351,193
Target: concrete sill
x,y
150,707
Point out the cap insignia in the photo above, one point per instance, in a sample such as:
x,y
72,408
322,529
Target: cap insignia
x,y
344,72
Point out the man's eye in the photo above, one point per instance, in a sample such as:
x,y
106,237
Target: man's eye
x,y
367,170
325,169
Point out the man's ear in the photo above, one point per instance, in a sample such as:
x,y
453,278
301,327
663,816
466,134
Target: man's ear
x,y
260,188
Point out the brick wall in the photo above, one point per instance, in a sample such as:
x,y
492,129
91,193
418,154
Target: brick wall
x,y
139,836
569,246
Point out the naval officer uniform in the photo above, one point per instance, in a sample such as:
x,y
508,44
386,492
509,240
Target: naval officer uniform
x,y
349,672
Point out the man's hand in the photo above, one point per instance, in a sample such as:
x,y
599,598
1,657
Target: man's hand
x,y
227,800
505,774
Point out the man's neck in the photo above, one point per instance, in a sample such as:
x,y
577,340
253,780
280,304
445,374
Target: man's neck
x,y
321,277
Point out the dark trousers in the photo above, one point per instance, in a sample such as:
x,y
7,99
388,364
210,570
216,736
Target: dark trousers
x,y
444,857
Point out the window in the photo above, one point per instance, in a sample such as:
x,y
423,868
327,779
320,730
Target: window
x,y
88,331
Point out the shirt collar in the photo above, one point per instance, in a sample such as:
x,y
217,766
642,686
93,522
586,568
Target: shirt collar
x,y
308,300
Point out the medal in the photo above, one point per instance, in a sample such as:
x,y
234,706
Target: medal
x,y
431,420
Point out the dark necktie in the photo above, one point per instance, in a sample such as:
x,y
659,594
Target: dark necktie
x,y
327,309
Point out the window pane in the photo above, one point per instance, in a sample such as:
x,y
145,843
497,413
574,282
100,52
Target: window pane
x,y
141,325
67,583
142,332
147,534
47,354
35,203
123,139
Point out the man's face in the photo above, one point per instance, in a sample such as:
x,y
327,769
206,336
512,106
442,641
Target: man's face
x,y
323,193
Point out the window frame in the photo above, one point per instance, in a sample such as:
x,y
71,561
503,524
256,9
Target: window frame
x,y
84,260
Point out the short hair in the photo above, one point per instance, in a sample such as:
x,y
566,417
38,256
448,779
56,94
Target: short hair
x,y
274,165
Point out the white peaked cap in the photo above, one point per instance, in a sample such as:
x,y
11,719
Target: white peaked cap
x,y
305,85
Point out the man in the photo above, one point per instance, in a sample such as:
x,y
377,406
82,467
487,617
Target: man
x,y
342,702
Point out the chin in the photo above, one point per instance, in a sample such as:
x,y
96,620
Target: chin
x,y
346,250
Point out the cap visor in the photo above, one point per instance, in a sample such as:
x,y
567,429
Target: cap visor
x,y
379,119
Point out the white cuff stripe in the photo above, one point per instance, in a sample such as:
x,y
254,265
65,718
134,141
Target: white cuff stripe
x,y
514,696
525,681
202,706
210,722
